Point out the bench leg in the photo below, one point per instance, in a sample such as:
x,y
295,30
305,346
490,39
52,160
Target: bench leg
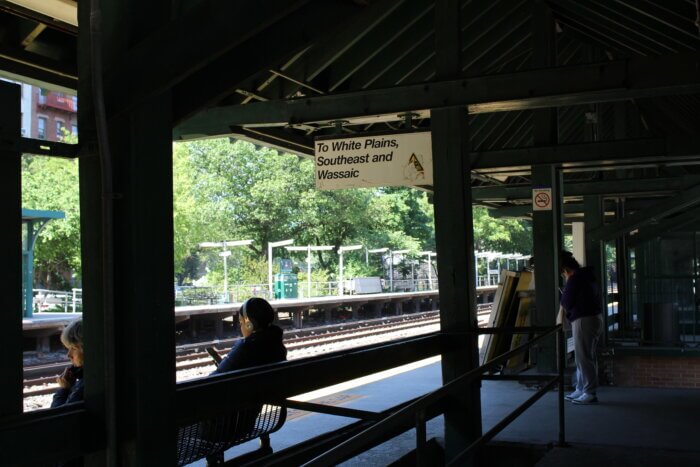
x,y
265,442
216,459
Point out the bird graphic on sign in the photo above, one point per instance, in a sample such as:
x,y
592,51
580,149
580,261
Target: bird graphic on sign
x,y
414,169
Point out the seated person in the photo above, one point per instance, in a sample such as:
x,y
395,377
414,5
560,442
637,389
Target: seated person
x,y
262,340
261,345
71,380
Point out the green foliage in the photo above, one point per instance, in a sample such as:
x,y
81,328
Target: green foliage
x,y
503,235
52,184
236,191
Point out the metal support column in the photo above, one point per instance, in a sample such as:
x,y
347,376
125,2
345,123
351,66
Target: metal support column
x,y
593,216
10,250
454,235
127,244
546,224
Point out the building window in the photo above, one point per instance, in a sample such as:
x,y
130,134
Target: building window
x,y
41,128
74,130
59,133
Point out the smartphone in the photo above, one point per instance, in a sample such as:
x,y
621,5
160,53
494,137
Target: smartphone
x,y
214,355
71,374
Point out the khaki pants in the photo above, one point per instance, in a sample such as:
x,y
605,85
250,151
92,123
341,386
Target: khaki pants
x,y
587,331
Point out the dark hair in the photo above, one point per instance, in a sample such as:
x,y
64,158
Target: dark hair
x,y
258,311
567,261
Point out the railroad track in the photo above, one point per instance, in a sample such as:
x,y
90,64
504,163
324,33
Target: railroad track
x,y
40,379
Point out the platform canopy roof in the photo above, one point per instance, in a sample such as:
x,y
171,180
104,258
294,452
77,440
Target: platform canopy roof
x,y
626,82
38,215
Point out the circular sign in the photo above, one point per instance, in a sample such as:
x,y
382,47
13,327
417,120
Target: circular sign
x,y
542,200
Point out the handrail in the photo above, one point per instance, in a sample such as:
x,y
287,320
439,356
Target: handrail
x,y
417,409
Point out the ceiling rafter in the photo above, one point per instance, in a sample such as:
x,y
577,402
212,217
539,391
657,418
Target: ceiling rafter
x,y
606,35
240,66
340,39
567,85
171,54
415,16
677,203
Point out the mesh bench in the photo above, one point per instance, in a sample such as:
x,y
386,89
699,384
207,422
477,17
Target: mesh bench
x,y
212,437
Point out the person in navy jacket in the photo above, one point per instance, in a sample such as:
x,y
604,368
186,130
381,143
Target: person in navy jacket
x,y
261,345
262,340
582,302
71,380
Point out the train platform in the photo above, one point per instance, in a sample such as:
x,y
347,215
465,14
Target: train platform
x,y
655,420
48,320
43,325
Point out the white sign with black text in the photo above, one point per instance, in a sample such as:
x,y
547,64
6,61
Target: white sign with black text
x,y
400,159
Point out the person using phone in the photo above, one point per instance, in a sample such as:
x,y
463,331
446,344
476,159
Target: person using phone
x,y
71,380
262,340
583,305
261,344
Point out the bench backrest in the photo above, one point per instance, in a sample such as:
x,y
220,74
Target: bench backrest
x,y
215,435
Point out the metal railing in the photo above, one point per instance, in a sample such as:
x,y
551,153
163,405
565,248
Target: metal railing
x,y
58,300
490,280
415,412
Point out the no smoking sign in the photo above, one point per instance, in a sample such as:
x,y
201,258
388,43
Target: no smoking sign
x,y
541,199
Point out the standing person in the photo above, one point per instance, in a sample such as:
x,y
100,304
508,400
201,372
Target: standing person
x,y
582,302
71,380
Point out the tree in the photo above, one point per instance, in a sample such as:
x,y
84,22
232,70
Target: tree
x,y
51,184
235,191
247,192
504,235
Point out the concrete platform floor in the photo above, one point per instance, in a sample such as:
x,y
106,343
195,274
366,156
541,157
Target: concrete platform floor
x,y
651,419
586,456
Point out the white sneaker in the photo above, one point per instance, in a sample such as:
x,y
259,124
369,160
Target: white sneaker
x,y
574,395
586,398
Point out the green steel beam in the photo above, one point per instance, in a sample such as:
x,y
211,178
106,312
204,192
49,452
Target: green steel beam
x,y
588,154
128,244
525,210
669,224
454,235
276,138
246,67
541,88
100,369
595,251
609,187
11,252
547,227
173,52
413,13
679,202
343,37
49,148
33,222
27,64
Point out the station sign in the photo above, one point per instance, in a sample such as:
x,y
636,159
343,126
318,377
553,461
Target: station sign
x,y
395,159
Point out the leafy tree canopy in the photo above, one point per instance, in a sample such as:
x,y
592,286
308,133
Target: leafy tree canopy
x,y
227,190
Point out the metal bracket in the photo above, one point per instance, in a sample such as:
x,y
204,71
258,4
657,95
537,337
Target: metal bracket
x,y
408,119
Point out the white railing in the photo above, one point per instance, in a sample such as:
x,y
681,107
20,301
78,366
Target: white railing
x,y
490,280
57,300
46,300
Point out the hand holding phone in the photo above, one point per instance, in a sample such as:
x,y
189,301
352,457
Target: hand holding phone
x,y
214,355
67,378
